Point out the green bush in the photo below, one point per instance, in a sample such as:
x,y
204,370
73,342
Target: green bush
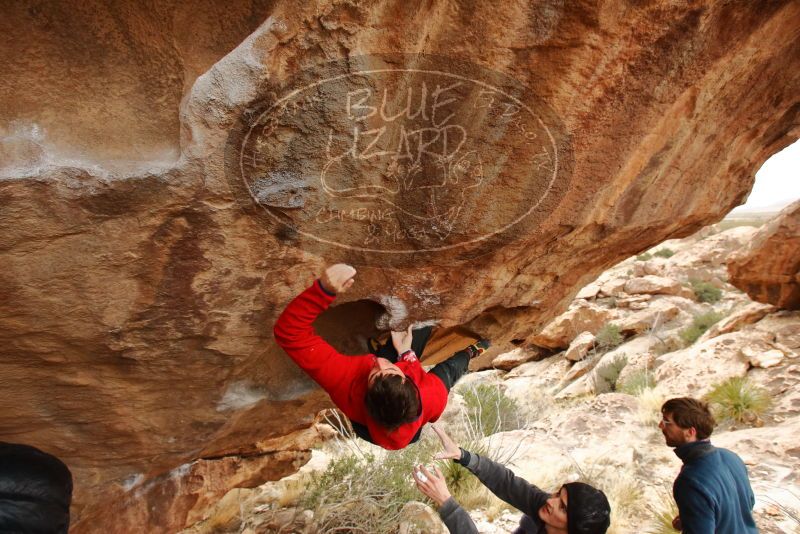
x,y
664,253
489,410
608,337
364,492
605,377
705,291
644,256
700,324
637,382
739,400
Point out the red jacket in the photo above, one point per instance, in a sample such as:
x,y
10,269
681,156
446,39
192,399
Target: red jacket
x,y
345,377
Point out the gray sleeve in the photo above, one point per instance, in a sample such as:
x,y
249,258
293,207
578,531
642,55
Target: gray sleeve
x,y
501,481
456,519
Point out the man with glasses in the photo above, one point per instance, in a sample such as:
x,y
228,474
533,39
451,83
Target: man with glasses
x,y
576,508
387,396
713,490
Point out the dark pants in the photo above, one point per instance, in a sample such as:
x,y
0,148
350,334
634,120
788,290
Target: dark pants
x,y
449,371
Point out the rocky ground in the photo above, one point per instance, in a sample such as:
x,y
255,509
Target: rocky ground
x,y
589,394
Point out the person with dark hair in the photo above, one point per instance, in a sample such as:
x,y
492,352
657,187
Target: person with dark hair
x,y
576,508
35,491
713,490
387,395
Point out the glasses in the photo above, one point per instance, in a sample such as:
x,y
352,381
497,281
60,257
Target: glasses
x,y
667,423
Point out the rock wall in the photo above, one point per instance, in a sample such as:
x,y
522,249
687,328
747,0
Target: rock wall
x,y
768,268
171,174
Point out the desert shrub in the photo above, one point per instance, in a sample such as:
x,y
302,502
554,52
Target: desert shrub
x,y
705,291
365,492
605,376
637,382
700,324
738,399
489,410
664,253
644,256
609,336
662,513
669,344
648,406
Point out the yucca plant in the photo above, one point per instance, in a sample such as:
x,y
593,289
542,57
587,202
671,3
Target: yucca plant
x,y
637,382
738,399
662,514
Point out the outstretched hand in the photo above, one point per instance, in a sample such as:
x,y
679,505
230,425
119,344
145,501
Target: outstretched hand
x,y
338,278
432,485
402,340
451,449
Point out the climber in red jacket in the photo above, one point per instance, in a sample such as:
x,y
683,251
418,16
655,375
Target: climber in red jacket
x,y
387,401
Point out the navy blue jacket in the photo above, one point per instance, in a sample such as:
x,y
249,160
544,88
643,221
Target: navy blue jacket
x,y
712,491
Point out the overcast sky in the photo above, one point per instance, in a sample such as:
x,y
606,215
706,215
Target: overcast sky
x,y
778,180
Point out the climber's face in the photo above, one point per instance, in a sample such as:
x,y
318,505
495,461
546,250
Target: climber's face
x,y
383,367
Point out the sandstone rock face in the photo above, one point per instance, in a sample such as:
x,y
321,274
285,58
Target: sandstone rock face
x,y
510,360
582,317
768,268
695,370
748,314
653,316
653,285
172,174
580,346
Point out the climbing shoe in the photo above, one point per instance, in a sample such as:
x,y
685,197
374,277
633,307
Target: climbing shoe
x,y
477,348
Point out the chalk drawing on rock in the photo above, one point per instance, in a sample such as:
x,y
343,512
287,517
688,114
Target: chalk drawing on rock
x,y
373,158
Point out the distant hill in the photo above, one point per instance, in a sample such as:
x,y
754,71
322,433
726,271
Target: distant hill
x,y
760,212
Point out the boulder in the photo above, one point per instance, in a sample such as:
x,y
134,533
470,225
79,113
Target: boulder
x,y
768,267
710,253
580,346
748,314
560,332
763,359
542,372
580,387
580,369
518,356
656,285
635,302
656,314
693,371
523,382
588,292
783,327
614,287
654,266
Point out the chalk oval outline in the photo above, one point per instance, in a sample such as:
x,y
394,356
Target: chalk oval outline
x,y
485,237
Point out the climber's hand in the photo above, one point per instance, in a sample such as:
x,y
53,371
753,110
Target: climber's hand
x,y
338,278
